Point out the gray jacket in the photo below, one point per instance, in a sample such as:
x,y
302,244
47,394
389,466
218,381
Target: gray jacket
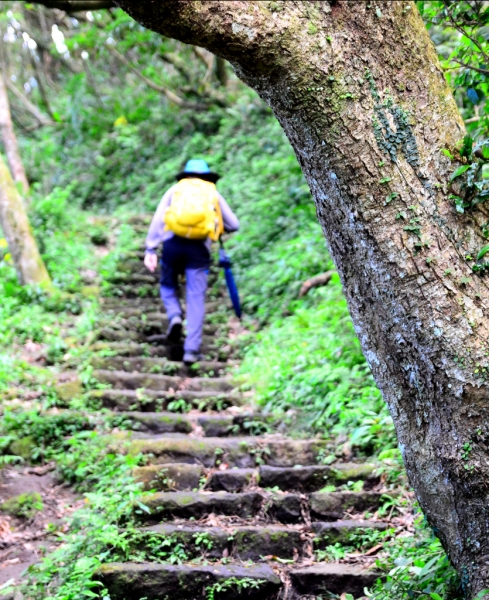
x,y
157,234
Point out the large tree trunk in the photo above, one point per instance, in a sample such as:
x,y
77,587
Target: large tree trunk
x,y
15,224
337,75
9,139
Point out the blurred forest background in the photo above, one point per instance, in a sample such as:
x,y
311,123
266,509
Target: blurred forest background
x,y
105,114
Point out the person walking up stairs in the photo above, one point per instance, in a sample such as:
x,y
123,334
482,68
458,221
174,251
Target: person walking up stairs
x,y
191,215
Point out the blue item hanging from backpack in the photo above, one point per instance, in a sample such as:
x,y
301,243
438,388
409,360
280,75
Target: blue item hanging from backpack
x,y
225,263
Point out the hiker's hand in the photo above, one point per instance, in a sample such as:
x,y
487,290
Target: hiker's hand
x,y
151,262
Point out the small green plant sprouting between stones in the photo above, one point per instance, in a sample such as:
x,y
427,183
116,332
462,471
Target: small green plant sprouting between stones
x,y
237,583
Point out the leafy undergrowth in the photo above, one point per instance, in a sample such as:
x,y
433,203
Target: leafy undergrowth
x,y
93,533
311,362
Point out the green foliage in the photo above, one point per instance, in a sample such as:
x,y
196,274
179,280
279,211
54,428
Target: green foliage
x,y
417,567
23,506
460,31
238,584
468,182
94,531
312,362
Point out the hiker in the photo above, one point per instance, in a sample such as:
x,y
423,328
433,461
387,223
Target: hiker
x,y
191,215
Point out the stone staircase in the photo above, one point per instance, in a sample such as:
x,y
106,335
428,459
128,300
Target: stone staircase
x,y
239,507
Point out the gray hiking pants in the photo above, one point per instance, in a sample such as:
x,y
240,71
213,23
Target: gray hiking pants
x,y
196,286
192,257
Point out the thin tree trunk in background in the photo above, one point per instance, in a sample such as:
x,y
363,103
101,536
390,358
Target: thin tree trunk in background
x,y
15,224
10,140
35,61
221,71
359,91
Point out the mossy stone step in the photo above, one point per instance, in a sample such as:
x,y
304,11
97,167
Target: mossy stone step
x,y
231,480
121,380
169,477
313,478
197,542
152,365
187,505
241,542
282,508
242,452
109,334
343,532
151,400
149,305
330,579
185,582
132,278
148,327
134,265
155,422
163,422
131,349
331,506
140,219
225,425
135,290
134,349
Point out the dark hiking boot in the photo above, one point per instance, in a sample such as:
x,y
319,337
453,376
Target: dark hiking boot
x,y
175,330
190,358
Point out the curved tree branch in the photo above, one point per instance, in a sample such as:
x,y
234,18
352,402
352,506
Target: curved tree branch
x,y
314,282
31,107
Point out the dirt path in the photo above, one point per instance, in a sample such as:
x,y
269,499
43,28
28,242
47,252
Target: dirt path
x,y
25,539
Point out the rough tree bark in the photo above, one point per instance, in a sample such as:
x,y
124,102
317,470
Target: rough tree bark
x,y
15,224
10,140
336,74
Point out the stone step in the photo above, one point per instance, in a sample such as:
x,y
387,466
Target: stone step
x,y
313,478
135,265
120,380
154,422
282,508
170,422
154,401
170,477
156,312
140,219
149,305
159,366
251,542
209,342
231,480
195,505
135,290
242,542
147,327
133,279
135,349
328,579
244,452
127,581
224,425
332,506
343,532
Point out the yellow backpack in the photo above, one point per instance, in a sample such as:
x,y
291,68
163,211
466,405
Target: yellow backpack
x,y
194,211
